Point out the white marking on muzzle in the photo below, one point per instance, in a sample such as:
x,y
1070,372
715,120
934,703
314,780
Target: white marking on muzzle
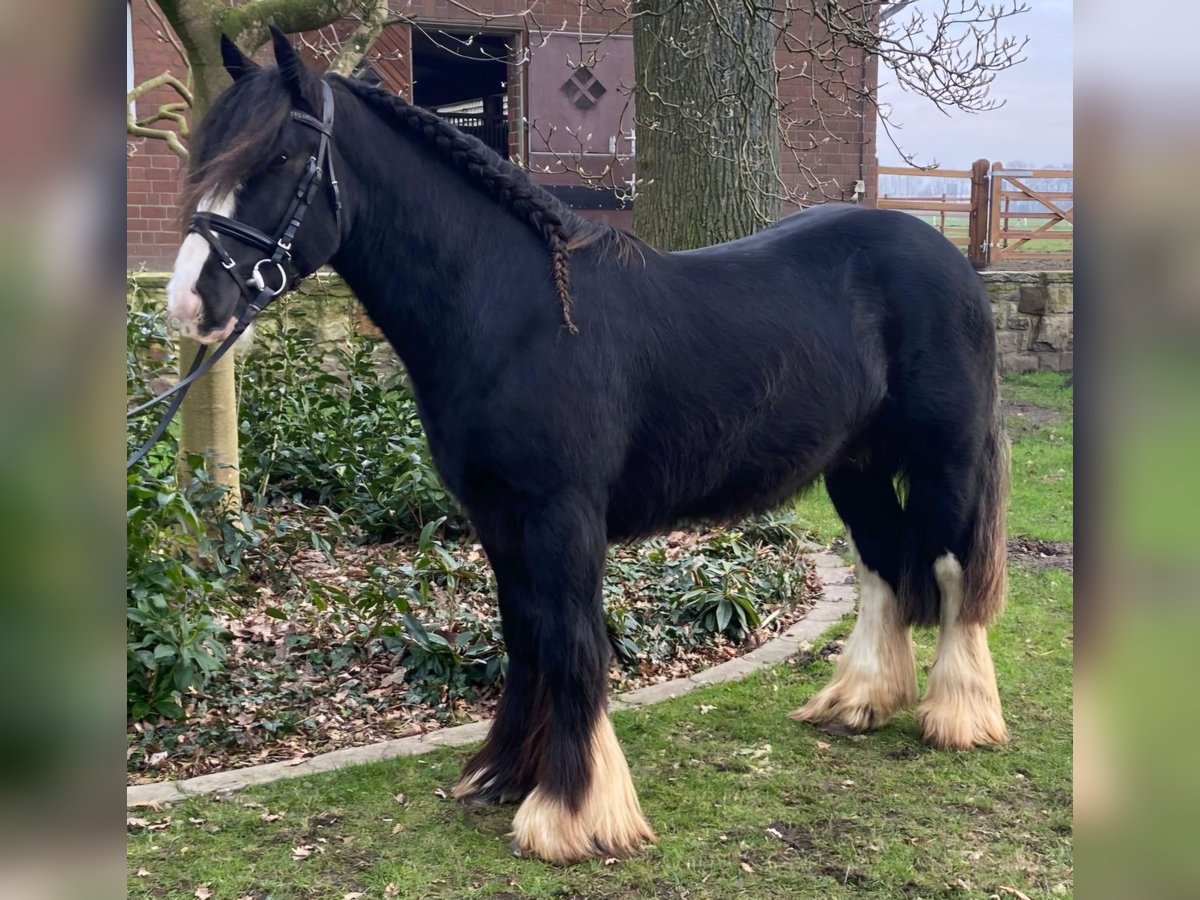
x,y
184,307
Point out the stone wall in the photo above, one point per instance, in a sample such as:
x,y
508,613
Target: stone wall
x,y
1034,313
322,308
322,311
1035,319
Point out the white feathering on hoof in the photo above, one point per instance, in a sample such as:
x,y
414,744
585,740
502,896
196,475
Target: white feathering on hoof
x,y
875,674
961,708
609,821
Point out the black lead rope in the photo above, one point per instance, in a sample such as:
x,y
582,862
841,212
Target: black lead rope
x,y
207,224
199,367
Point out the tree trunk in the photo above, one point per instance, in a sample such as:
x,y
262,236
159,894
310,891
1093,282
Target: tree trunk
x,y
707,121
209,425
209,413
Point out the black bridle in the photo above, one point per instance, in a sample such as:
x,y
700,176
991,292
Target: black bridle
x,y
255,288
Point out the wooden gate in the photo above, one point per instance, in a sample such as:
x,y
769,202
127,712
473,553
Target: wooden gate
x,y
1005,217
1046,230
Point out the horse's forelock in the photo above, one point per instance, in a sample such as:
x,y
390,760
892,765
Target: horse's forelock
x,y
235,139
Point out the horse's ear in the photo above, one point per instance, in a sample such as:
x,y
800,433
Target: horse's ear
x,y
237,63
299,80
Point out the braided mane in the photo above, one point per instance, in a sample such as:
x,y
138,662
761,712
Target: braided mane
x,y
561,229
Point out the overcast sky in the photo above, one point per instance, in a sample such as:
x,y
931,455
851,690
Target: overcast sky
x,y
1033,126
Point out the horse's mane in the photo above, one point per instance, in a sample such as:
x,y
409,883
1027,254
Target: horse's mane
x,y
563,230
255,113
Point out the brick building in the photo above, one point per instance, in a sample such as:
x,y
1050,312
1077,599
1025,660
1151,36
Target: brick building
x,y
558,99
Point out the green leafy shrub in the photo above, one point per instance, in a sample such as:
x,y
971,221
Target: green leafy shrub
x,y
180,547
660,599
337,433
173,642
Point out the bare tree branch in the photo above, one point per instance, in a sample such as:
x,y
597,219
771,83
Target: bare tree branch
x,y
355,45
165,32
247,23
166,79
174,112
170,138
890,9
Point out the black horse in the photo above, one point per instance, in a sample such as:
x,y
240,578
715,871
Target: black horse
x,y
579,388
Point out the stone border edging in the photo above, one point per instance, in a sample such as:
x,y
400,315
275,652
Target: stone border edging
x,y
837,600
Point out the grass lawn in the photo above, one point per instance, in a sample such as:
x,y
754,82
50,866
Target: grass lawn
x,y
746,802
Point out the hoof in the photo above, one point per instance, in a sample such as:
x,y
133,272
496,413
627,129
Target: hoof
x,y
876,675
962,723
546,829
961,708
482,789
852,705
607,822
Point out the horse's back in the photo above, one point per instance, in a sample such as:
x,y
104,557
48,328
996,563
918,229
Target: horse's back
x,y
760,362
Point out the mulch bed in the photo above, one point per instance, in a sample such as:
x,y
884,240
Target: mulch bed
x,y
298,686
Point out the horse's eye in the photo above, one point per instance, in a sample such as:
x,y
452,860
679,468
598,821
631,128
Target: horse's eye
x,y
278,161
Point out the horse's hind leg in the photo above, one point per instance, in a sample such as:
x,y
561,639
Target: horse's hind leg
x,y
505,768
584,804
956,558
961,708
875,674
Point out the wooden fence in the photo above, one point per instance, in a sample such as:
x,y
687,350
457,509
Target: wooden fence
x,y
995,214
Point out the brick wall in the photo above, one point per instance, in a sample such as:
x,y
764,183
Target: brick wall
x,y
831,129
828,172
152,170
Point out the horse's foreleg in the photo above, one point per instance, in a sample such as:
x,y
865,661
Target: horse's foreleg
x,y
584,804
505,768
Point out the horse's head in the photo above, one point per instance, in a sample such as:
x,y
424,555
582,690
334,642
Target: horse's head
x,y
254,153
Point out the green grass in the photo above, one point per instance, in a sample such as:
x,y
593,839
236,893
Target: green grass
x,y
746,802
1043,481
815,512
1049,390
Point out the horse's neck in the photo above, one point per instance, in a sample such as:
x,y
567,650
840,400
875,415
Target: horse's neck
x,y
421,244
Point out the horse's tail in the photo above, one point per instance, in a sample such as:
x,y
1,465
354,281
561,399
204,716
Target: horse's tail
x,y
984,569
